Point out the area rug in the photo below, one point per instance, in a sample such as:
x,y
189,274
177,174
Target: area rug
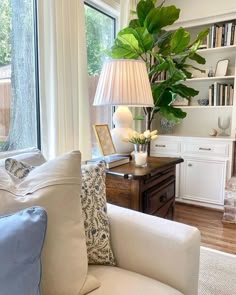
x,y
217,273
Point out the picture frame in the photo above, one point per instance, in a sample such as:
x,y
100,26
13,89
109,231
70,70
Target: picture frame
x,y
103,135
221,68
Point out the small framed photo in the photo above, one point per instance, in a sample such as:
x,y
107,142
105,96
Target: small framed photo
x,y
221,68
104,139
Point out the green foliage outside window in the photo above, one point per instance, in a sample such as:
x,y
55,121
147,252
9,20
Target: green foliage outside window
x,y
5,32
100,36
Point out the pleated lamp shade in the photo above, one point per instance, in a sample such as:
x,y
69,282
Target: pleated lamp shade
x,y
124,82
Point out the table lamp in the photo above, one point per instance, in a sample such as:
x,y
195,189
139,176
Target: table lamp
x,y
123,83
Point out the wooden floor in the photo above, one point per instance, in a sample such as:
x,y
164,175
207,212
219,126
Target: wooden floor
x,y
214,233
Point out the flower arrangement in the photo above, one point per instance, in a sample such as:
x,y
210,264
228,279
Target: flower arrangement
x,y
141,138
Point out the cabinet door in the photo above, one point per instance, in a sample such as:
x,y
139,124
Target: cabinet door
x,y
204,180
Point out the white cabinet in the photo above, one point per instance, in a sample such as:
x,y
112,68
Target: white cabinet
x,y
203,180
207,165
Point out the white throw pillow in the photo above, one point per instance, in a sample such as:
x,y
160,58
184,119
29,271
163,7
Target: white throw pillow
x,y
31,156
54,186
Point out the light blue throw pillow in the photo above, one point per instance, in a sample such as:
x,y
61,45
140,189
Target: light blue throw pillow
x,y
22,237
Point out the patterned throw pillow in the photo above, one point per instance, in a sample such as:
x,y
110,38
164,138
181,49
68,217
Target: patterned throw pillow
x,y
96,223
17,168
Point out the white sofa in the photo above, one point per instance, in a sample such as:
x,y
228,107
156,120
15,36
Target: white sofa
x,y
154,255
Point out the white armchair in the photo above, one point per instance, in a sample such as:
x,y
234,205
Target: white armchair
x,y
154,256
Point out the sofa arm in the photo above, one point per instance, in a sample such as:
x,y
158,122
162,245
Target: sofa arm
x,y
158,248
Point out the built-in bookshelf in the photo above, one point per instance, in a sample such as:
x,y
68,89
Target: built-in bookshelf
x,y
222,34
219,90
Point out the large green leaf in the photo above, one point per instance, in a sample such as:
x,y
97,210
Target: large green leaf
x,y
179,41
203,34
119,50
172,113
145,39
127,37
162,38
158,18
174,74
184,91
143,9
166,98
157,91
198,58
159,68
134,23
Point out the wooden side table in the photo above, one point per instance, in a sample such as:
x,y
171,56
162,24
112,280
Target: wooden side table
x,y
150,190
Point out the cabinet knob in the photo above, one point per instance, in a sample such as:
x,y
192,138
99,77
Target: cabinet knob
x,y
190,165
163,198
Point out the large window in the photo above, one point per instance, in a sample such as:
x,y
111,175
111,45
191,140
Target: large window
x,y
18,75
100,34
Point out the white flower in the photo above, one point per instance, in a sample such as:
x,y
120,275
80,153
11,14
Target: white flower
x,y
154,132
153,137
141,138
147,134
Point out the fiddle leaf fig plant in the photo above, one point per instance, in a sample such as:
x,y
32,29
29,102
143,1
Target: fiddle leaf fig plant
x,y
163,51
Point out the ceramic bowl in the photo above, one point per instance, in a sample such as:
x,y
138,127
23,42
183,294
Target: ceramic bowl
x,y
203,101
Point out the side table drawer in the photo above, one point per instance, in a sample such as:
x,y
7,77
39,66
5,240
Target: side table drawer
x,y
118,191
157,197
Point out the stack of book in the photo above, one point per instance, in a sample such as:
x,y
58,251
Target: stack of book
x,y
221,94
223,34
111,161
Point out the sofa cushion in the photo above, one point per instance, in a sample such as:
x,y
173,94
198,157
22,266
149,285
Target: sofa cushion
x,y
96,223
31,156
55,186
117,281
21,240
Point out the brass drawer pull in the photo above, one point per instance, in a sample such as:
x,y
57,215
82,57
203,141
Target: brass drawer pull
x,y
160,145
204,149
163,198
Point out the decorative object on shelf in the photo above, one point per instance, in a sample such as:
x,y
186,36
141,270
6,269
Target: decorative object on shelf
x,y
211,72
104,139
141,142
213,132
203,101
162,51
123,83
180,101
221,68
167,126
224,124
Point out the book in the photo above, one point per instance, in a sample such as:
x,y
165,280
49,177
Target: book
x,y
229,34
111,161
232,34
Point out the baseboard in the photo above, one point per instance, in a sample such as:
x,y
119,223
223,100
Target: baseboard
x,y
202,206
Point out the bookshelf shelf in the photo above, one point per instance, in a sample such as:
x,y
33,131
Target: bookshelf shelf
x,y
217,49
204,107
208,79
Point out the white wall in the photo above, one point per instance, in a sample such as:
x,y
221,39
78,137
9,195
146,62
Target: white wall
x,y
204,9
